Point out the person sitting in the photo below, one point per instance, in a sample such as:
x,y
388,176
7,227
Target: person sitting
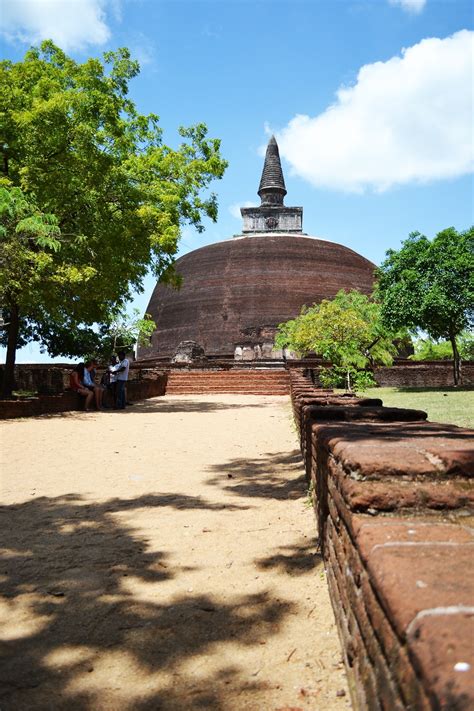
x,y
76,383
89,374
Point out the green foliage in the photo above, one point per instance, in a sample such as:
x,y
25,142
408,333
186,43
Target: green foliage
x,y
429,349
76,146
466,345
429,285
347,330
125,331
339,377
30,243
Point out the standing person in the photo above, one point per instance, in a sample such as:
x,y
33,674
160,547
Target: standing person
x,y
121,373
108,382
76,383
113,378
89,375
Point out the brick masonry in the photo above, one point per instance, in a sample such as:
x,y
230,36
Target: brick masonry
x,y
241,289
419,374
394,499
258,381
404,373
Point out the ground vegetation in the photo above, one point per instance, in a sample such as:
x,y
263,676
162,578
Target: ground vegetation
x,y
453,406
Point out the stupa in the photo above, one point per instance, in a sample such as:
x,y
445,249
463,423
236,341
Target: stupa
x,y
236,292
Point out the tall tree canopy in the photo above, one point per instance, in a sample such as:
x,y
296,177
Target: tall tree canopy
x,y
429,285
346,330
74,143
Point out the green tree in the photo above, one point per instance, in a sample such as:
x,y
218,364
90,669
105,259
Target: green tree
x,y
71,138
348,331
29,243
127,330
429,349
429,285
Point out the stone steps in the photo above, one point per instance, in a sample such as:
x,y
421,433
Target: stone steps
x,y
228,391
244,382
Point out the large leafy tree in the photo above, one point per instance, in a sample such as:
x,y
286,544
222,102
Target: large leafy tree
x,y
29,243
346,330
74,143
429,285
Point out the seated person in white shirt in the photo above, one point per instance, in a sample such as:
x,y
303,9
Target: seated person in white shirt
x,y
89,372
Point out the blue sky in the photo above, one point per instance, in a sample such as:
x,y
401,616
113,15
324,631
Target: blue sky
x,y
371,102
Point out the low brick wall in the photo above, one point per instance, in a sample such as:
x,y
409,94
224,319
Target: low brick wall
x,y
422,374
402,374
146,383
394,500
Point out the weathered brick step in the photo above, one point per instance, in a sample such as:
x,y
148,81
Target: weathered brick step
x,y
227,378
229,385
236,391
270,381
260,393
234,382
220,386
243,391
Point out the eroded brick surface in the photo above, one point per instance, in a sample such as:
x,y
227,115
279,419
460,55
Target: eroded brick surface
x,y
442,649
394,495
411,450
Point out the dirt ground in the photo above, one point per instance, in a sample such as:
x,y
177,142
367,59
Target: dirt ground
x,y
163,558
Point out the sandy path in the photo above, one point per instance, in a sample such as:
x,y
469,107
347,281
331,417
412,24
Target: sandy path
x,y
163,558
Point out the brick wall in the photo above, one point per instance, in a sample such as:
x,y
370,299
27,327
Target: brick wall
x,y
394,500
422,374
403,373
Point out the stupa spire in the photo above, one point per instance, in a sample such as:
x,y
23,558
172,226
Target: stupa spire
x,y
272,216
272,188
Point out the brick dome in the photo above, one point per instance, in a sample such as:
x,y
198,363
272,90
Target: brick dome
x,y
237,291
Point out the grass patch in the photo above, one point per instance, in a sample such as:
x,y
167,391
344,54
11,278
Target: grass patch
x,y
453,406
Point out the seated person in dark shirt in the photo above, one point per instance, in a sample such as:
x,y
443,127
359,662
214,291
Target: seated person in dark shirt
x,y
76,383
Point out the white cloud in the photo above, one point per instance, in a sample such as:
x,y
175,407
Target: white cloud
x,y
413,6
72,24
235,208
142,49
406,120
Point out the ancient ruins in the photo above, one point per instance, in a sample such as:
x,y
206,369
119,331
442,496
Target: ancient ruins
x,y
236,292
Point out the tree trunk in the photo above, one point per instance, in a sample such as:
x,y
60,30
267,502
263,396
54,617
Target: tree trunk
x,y
8,371
456,360
348,381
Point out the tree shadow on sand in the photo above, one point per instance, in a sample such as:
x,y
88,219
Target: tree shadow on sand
x,y
67,569
274,476
295,559
174,404
156,406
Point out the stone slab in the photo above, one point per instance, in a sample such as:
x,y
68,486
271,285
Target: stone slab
x,y
372,451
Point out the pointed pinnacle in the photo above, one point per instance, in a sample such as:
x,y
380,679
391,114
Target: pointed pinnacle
x,y
272,188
